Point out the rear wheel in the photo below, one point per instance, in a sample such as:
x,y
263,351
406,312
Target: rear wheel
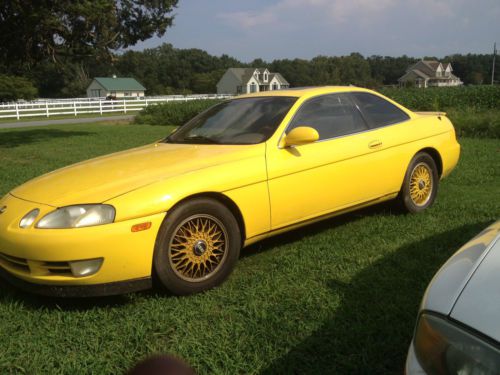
x,y
420,185
197,246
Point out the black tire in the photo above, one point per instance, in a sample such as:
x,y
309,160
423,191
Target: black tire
x,y
412,203
199,247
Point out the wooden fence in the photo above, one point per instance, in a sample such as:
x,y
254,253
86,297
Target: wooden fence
x,y
75,107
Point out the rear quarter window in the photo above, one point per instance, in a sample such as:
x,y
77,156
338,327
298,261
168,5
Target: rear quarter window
x,y
378,111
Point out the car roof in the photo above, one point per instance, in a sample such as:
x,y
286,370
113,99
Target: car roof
x,y
305,91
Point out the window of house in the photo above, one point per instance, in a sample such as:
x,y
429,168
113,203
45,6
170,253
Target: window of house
x,y
331,115
275,86
253,87
379,111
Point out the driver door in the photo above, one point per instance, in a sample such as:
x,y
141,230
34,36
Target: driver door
x,y
333,173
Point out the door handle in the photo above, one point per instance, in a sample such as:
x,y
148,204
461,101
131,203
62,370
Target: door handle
x,y
375,144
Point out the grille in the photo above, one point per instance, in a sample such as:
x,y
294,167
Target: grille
x,y
36,267
17,263
57,268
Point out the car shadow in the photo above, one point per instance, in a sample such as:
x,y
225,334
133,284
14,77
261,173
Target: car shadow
x,y
19,137
384,208
369,333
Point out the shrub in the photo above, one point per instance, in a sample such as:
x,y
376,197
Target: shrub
x,y
474,123
13,88
173,113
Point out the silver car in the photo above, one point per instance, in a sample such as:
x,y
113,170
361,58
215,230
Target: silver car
x,y
458,326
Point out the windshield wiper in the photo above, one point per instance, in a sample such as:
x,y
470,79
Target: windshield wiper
x,y
200,138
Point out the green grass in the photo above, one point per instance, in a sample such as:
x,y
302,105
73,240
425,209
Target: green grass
x,y
339,296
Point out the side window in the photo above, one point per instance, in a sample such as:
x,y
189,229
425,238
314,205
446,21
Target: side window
x,y
331,115
379,111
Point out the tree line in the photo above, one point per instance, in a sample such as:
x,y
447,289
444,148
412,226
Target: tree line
x,y
167,70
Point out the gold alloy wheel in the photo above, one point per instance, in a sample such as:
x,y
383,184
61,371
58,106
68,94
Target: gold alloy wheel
x,y
421,181
198,248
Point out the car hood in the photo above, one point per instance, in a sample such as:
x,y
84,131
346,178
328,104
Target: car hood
x,y
479,303
448,283
98,180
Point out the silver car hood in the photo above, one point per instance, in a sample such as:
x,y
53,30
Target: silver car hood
x,y
467,286
478,306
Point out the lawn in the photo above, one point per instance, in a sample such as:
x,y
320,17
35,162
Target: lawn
x,y
340,296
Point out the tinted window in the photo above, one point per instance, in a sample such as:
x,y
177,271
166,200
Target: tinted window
x,y
331,115
238,121
379,111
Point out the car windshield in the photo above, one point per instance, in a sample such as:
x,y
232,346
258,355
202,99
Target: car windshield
x,y
237,121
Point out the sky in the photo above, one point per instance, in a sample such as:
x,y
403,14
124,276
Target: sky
x,y
278,29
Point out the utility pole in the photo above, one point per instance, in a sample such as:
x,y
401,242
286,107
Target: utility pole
x,y
493,67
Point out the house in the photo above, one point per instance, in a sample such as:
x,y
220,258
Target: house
x,y
247,80
115,87
429,73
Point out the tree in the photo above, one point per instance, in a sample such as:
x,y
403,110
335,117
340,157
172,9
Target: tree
x,y
62,30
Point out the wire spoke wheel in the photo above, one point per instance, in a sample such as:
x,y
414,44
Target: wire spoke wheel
x,y
198,248
421,183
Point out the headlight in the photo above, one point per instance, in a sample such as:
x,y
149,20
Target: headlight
x,y
29,218
444,348
85,215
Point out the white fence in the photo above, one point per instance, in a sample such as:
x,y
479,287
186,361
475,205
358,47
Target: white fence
x,y
61,107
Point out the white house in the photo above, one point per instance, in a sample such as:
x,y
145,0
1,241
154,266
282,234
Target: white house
x,y
429,73
247,80
115,87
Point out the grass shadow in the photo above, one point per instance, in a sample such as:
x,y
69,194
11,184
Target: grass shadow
x,y
20,137
371,330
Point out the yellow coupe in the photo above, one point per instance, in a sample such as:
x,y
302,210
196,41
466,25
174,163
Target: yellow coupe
x,y
179,210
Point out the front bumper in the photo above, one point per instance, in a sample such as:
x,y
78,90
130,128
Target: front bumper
x,y
37,257
78,291
412,366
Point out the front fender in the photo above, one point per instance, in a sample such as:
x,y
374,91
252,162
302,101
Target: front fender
x,y
243,181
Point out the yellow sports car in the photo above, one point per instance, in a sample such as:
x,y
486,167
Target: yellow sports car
x,y
180,210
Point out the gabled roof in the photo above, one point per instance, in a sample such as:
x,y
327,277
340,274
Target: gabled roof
x,y
279,77
416,72
433,64
245,74
120,84
420,73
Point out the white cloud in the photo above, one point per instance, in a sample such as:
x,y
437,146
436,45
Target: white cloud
x,y
286,11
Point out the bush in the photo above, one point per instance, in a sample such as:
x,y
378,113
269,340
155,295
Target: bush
x,y
444,98
13,88
173,113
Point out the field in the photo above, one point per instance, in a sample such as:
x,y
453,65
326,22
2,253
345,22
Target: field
x,y
340,296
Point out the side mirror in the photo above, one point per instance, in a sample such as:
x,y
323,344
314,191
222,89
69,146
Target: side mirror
x,y
300,136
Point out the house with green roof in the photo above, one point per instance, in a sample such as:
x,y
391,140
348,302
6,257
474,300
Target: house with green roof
x,y
245,80
101,87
